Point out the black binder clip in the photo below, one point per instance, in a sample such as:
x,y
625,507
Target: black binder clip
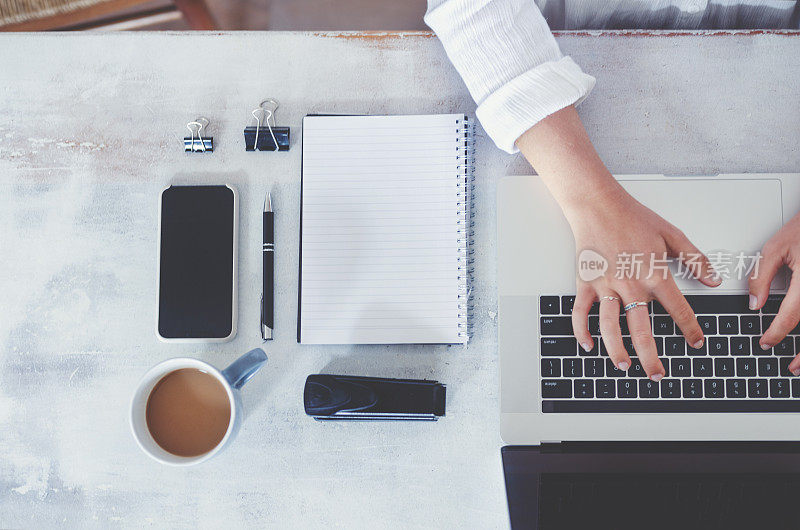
x,y
344,397
196,143
266,136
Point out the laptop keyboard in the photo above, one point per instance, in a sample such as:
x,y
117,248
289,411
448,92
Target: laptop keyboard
x,y
730,373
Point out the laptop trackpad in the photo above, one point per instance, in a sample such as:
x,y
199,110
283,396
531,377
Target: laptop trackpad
x,y
728,219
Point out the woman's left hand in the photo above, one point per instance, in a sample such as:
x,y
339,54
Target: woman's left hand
x,y
782,249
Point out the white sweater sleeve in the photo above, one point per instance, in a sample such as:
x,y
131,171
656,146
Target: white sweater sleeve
x,y
510,62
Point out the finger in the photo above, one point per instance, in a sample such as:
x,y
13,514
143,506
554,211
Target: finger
x,y
761,278
642,338
611,333
787,318
695,261
584,299
794,366
675,303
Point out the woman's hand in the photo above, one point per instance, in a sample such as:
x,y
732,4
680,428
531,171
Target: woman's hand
x,y
782,249
616,225
607,220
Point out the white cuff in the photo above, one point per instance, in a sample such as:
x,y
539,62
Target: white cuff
x,y
530,97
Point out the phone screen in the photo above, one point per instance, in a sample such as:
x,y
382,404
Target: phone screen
x,y
196,268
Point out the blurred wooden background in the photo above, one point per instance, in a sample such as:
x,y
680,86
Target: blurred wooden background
x,y
232,15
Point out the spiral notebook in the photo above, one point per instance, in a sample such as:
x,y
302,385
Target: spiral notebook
x,y
385,253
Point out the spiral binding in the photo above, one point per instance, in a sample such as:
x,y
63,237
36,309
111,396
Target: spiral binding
x,y
465,194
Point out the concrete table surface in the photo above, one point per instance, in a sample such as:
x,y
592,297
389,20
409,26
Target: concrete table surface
x,y
91,129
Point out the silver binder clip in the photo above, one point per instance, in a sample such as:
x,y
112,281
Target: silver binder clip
x,y
196,143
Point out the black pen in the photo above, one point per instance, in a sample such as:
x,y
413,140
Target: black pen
x,y
268,280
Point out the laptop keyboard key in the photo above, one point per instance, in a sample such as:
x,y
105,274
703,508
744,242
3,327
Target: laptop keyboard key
x,y
766,320
702,350
718,345
567,303
783,367
559,347
772,304
556,388
702,367
681,367
670,388
551,368
723,367
708,324
556,325
745,367
605,388
626,388
594,325
636,369
740,346
663,326
728,325
736,388
648,389
750,325
692,388
784,347
711,304
674,346
613,371
594,367
767,367
779,388
714,388
548,305
627,343
757,349
573,368
757,388
796,388
584,388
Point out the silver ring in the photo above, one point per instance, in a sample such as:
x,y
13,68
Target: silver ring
x,y
630,306
609,298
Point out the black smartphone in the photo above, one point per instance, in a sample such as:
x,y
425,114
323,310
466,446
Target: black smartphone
x,y
197,247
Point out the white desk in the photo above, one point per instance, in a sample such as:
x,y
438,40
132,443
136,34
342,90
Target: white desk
x,y
91,129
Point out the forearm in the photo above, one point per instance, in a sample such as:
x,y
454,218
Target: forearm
x,y
560,151
509,61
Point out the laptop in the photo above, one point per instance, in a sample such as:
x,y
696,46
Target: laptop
x,y
555,399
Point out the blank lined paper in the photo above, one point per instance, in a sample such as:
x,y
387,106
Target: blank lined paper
x,y
383,240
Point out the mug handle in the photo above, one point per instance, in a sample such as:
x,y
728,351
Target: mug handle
x,y
245,367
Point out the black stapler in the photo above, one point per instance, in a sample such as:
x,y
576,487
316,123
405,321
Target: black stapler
x,y
344,397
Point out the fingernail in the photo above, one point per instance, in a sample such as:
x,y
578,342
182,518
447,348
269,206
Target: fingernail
x,y
716,280
796,371
586,346
656,377
697,345
753,302
766,346
623,366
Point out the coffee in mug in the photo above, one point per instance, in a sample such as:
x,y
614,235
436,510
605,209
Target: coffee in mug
x,y
184,411
188,412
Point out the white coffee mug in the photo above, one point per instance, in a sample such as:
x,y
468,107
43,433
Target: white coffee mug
x,y
232,379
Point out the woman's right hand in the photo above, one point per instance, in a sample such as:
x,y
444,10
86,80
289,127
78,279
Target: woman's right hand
x,y
635,242
605,219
